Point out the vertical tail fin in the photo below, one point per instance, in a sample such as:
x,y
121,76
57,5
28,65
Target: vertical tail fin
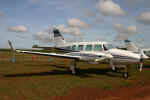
x,y
11,46
58,38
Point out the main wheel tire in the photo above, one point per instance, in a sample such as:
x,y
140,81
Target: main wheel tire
x,y
126,75
138,67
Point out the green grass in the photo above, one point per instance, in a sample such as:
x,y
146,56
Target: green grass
x,y
41,79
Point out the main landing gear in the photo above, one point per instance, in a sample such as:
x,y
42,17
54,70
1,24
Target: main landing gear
x,y
73,67
125,74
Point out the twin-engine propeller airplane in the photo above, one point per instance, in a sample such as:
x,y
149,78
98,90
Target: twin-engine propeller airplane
x,y
101,52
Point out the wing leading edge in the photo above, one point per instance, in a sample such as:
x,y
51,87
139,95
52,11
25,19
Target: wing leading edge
x,y
72,55
76,56
50,54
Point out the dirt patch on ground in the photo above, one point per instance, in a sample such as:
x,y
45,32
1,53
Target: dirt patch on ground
x,y
125,93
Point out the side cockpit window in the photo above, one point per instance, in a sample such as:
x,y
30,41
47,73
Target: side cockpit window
x,y
88,47
108,46
98,47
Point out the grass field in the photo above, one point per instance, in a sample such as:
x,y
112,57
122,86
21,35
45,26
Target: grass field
x,y
40,79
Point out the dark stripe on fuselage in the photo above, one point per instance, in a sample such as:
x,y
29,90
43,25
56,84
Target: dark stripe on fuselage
x,y
83,54
124,57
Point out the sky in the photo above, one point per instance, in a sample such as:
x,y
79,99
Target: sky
x,y
27,22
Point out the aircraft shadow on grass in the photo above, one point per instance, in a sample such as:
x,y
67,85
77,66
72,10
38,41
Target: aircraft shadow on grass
x,y
89,72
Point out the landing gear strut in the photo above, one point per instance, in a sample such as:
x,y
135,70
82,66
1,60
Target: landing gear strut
x,y
139,67
73,67
112,66
125,73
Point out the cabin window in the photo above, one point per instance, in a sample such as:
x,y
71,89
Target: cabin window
x,y
80,47
98,47
74,47
88,47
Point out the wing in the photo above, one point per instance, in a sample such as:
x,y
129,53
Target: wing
x,y
72,55
50,54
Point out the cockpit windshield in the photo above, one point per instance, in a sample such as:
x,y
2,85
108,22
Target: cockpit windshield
x,y
108,46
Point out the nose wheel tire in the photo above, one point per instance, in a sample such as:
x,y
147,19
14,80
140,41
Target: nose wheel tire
x,y
125,75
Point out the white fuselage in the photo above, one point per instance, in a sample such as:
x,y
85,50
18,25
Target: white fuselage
x,y
99,48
